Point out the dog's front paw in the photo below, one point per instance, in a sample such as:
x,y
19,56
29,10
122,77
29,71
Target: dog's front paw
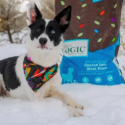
x,y
73,112
75,105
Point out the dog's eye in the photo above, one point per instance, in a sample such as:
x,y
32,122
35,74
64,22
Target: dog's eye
x,y
38,30
53,31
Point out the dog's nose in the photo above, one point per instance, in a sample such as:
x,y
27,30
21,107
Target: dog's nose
x,y
42,41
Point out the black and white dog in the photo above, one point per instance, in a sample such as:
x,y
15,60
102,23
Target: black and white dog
x,y
35,75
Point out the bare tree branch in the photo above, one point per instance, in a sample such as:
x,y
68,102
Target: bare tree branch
x,y
12,20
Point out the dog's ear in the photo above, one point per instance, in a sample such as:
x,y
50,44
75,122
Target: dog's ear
x,y
33,13
63,18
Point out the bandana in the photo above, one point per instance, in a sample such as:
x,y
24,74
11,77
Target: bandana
x,y
36,75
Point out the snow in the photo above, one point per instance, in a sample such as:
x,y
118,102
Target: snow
x,y
121,55
10,50
18,15
24,6
18,37
104,105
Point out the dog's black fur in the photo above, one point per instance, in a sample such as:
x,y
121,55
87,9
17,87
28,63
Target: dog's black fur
x,y
7,69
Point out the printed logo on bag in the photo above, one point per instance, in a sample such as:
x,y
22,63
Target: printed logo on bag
x,y
76,48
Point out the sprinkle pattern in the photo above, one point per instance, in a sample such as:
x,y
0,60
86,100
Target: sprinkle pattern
x,y
96,31
82,25
113,25
62,3
80,34
78,17
102,12
113,19
84,5
99,40
115,6
113,40
97,22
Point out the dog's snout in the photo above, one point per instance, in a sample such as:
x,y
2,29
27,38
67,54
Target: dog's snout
x,y
43,41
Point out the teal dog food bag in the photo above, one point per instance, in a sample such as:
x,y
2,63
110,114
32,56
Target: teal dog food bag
x,y
91,42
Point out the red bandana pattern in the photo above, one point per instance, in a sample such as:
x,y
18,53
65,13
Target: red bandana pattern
x,y
37,75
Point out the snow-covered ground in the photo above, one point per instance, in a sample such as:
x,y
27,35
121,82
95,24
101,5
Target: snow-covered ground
x,y
104,105
19,37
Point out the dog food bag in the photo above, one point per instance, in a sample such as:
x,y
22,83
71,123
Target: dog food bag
x,y
91,42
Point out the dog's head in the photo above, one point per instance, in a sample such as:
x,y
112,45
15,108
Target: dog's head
x,y
46,36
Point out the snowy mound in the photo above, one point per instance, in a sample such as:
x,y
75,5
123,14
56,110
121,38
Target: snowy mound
x,y
103,105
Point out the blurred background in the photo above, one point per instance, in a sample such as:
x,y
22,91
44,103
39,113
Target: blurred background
x,y
13,28
13,19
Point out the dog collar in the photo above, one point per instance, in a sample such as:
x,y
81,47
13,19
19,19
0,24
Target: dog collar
x,y
36,75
